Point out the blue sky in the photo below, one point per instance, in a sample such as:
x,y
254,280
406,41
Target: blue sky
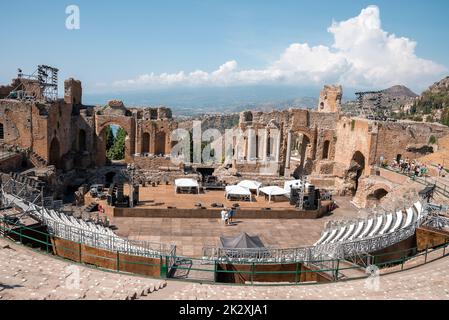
x,y
120,41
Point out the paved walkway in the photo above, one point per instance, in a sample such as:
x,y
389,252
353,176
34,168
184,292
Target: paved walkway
x,y
190,235
25,274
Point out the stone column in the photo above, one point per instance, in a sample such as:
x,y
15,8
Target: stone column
x,y
265,145
289,145
251,144
278,145
136,134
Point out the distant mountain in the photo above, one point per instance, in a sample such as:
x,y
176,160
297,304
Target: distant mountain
x,y
400,91
196,101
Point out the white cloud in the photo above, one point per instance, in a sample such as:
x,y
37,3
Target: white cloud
x,y
362,55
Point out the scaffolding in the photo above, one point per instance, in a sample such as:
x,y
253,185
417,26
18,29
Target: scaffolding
x,y
370,105
45,77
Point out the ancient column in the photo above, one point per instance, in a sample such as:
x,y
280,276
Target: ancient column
x,y
278,145
265,145
251,144
289,145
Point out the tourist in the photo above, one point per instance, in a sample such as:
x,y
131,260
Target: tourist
x,y
226,218
440,169
223,215
231,215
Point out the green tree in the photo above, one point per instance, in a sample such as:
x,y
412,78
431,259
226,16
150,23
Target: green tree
x,y
445,116
117,151
109,138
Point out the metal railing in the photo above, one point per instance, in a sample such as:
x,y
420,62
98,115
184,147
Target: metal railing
x,y
337,250
333,269
441,188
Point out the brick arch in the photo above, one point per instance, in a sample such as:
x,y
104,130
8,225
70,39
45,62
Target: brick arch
x,y
102,123
305,155
377,187
145,143
125,123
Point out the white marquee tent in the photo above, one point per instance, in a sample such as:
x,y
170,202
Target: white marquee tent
x,y
237,191
186,184
250,185
273,191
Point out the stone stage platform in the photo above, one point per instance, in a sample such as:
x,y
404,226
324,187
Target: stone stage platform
x,y
163,202
191,234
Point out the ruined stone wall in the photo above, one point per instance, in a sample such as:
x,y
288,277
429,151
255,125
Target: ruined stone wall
x,y
352,135
16,118
408,139
59,125
83,138
73,92
158,141
330,99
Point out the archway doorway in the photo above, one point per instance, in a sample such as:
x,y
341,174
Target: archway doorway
x,y
54,154
159,148
145,143
115,140
109,178
326,149
356,169
82,140
298,153
376,196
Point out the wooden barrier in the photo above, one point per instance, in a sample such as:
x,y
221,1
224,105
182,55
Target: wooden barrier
x,y
245,273
430,238
106,259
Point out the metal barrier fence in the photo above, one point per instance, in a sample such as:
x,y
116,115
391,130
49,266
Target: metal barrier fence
x,y
440,187
206,271
105,241
337,250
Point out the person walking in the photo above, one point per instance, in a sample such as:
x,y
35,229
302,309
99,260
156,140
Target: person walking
x,y
223,215
226,218
231,215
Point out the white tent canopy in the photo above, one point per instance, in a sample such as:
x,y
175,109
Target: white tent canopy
x,y
273,191
250,184
186,184
237,191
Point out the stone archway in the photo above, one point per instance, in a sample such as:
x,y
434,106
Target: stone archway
x,y
377,194
373,196
101,147
145,148
326,147
299,154
105,120
159,148
109,178
54,153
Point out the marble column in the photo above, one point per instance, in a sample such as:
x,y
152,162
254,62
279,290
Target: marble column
x,y
289,145
278,145
265,145
251,144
